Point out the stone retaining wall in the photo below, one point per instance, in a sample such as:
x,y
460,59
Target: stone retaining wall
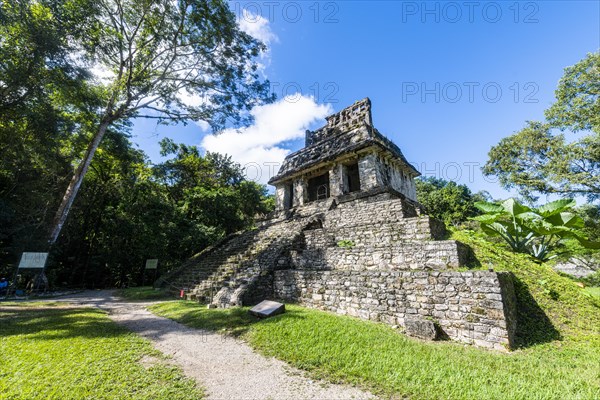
x,y
322,252
476,307
417,228
382,208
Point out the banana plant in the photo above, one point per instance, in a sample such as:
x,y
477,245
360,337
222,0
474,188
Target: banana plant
x,y
506,221
535,231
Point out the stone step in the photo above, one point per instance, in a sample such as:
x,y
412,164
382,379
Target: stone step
x,y
228,269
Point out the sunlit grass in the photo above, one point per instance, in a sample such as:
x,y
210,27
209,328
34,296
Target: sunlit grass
x,y
49,351
344,349
594,291
144,293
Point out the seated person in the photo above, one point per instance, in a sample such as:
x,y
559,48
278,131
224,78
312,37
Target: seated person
x,y
3,286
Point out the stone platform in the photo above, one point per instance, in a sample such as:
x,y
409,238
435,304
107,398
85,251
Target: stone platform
x,y
388,265
348,236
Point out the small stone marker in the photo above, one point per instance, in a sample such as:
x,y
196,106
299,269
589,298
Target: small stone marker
x,y
267,308
421,328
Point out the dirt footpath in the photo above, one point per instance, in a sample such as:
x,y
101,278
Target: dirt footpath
x,y
225,367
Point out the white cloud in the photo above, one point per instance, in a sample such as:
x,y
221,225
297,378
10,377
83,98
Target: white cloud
x,y
257,26
102,74
261,146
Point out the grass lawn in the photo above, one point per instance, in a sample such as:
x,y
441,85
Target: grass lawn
x,y
594,291
50,351
558,338
344,349
144,293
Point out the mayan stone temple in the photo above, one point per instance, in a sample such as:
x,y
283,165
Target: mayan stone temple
x,y
348,236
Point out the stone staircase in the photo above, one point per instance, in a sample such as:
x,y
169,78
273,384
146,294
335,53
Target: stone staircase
x,y
239,270
231,271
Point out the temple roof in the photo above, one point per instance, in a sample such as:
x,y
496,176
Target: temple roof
x,y
347,131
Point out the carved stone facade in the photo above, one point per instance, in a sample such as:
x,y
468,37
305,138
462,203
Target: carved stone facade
x,y
347,155
348,236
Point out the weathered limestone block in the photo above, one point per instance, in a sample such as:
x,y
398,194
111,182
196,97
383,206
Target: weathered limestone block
x,y
420,328
336,184
281,196
300,192
369,173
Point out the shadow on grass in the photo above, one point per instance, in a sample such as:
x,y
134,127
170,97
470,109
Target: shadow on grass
x,y
234,321
533,325
471,260
144,293
55,324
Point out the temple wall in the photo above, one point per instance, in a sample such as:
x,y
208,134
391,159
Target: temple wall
x,y
476,307
300,192
396,177
369,172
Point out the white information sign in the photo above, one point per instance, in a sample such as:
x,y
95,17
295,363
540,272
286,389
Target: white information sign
x,y
152,264
33,260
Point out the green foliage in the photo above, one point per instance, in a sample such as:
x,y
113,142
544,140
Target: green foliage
x,y
345,244
51,352
591,218
577,105
161,52
593,279
539,160
447,201
51,107
594,291
591,228
36,68
535,231
211,189
128,211
536,160
44,103
155,56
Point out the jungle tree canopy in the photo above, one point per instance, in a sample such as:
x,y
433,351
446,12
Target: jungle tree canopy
x,y
171,61
562,154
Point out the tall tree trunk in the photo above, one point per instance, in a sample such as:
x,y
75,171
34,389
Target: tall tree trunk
x,y
73,188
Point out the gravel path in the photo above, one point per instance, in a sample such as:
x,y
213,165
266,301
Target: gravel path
x,y
225,367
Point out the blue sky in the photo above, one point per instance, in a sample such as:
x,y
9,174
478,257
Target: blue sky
x,y
447,80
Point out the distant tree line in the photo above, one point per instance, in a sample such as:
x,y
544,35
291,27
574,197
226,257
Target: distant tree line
x,y
127,210
448,201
